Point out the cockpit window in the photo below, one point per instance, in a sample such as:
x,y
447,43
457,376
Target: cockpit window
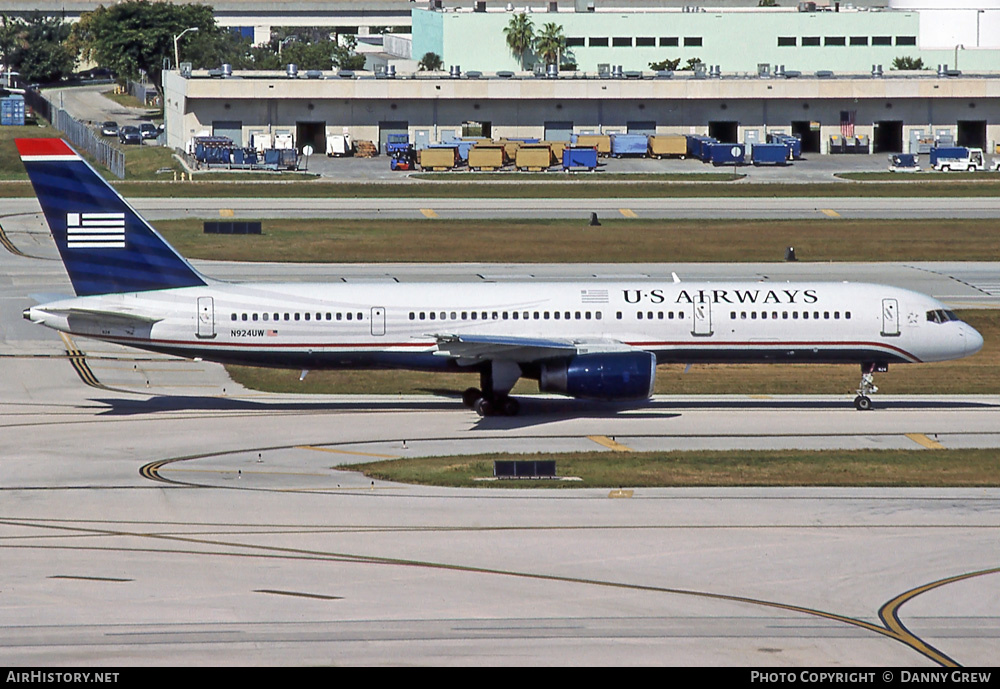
x,y
941,316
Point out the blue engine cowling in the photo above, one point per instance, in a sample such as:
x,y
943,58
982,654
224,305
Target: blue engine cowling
x,y
614,376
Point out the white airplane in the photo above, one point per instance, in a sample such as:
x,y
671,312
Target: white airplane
x,y
594,340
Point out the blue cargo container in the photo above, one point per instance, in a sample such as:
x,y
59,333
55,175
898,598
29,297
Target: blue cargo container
x,y
769,154
698,146
629,144
463,148
725,154
579,158
794,144
457,145
948,153
12,111
213,150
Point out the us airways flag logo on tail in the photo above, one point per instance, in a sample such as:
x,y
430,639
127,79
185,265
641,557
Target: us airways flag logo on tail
x,y
106,246
95,230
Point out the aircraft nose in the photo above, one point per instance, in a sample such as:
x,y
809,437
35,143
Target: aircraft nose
x,y
973,340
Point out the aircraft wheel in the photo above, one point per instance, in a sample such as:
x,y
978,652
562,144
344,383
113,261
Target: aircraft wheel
x,y
484,407
510,407
862,403
470,396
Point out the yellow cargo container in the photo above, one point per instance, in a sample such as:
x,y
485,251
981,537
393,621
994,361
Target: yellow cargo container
x,y
602,142
437,158
557,148
487,157
510,148
672,145
535,157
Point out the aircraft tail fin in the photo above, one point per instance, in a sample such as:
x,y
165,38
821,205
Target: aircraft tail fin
x,y
105,244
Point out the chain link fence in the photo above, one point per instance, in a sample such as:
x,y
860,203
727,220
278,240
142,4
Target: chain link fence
x,y
82,136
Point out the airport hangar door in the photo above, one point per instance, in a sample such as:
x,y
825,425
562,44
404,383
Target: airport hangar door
x,y
726,132
888,136
231,128
808,132
311,134
971,134
387,127
558,130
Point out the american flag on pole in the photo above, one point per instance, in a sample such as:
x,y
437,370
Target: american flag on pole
x,y
847,122
95,230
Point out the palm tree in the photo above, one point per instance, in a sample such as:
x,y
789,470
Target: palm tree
x,y
520,35
551,43
430,62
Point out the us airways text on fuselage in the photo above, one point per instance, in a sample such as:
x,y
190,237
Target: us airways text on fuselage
x,y
724,296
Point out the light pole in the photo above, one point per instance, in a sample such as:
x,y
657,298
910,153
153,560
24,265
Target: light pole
x,y
957,48
177,58
282,42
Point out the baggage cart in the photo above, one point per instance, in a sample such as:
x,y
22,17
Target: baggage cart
x,y
674,146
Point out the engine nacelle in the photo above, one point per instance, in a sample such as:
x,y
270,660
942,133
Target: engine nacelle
x,y
613,376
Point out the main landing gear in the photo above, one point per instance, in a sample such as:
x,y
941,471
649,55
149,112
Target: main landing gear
x,y
504,405
863,402
496,381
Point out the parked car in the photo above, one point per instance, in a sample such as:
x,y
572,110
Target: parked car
x,y
109,128
129,134
148,130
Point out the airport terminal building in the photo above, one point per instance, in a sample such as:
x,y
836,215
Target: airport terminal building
x,y
814,72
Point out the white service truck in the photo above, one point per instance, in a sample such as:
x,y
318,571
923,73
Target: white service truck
x,y
957,158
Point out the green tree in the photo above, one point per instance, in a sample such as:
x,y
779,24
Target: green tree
x,y
668,65
907,63
550,43
520,34
430,62
138,35
36,48
344,56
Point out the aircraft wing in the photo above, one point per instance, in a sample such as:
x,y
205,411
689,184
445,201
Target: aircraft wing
x,y
472,349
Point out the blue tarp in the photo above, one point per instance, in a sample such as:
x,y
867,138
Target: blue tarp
x,y
629,144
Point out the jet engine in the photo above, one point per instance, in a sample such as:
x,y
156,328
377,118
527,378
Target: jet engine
x,y
612,376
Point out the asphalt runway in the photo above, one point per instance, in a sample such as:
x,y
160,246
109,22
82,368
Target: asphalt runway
x,y
153,512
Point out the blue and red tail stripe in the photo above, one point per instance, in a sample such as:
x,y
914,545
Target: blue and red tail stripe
x,y
105,244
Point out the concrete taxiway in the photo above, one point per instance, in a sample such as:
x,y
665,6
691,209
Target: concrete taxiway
x,y
733,208
153,512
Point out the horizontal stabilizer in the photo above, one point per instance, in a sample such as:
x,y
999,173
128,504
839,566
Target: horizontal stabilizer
x,y
110,318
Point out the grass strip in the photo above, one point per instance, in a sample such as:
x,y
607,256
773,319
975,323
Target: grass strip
x,y
870,468
573,241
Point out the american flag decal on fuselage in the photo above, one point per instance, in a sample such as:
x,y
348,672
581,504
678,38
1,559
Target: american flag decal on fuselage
x,y
594,296
95,230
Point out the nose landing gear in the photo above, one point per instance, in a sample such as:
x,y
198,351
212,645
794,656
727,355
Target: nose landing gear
x,y
863,401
